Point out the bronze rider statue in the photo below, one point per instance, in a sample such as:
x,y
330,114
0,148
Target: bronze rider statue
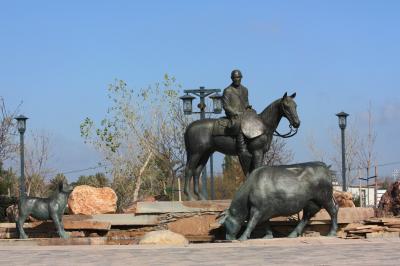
x,y
235,103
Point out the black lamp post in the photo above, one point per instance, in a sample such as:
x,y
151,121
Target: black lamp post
x,y
21,124
187,99
342,124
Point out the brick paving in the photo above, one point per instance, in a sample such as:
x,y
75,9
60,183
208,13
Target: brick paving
x,y
283,251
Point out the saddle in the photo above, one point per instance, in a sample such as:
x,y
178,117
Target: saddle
x,y
251,126
222,127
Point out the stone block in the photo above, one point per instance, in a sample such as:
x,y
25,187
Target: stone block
x,y
163,237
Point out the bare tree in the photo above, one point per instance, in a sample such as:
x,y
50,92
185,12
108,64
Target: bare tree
x,y
367,153
317,153
37,155
353,146
167,140
8,144
278,153
360,152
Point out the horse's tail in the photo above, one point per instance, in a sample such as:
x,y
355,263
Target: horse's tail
x,y
187,143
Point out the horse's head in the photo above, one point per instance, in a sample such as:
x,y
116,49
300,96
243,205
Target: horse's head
x,y
288,106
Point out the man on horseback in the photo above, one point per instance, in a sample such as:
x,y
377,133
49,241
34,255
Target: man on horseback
x,y
235,102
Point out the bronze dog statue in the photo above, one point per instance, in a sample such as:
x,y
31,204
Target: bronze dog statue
x,y
44,209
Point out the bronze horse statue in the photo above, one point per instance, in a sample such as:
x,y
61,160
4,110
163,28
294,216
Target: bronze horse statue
x,y
200,141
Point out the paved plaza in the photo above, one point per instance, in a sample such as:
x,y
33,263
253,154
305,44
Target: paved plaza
x,y
284,251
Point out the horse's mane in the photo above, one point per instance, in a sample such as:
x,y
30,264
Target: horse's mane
x,y
268,113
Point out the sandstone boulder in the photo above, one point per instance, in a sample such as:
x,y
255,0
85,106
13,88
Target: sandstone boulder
x,y
12,214
390,201
344,199
90,200
163,237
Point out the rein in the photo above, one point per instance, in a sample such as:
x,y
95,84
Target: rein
x,y
291,133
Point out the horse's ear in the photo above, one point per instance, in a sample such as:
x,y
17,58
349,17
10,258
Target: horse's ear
x,y
284,96
293,95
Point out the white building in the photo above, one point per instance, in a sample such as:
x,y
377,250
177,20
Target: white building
x,y
366,195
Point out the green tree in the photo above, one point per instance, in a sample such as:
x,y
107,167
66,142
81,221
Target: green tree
x,y
227,167
36,185
97,180
55,181
8,182
233,176
140,138
232,170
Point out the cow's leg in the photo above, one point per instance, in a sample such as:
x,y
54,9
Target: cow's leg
x,y
255,216
309,211
268,232
191,165
258,158
332,208
197,172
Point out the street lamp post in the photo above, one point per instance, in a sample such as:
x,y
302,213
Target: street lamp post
x,y
21,124
187,99
342,124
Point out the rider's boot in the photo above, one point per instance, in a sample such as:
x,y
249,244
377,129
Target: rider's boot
x,y
241,144
244,154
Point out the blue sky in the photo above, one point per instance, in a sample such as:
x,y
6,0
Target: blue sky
x,y
337,55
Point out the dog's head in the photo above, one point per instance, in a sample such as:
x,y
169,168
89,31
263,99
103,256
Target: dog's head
x,y
64,187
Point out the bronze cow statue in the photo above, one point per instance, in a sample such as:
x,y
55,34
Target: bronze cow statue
x,y
272,191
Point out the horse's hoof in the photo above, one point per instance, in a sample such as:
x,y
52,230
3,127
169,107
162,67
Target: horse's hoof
x,y
230,237
23,236
201,197
268,236
331,234
293,235
65,236
243,238
191,198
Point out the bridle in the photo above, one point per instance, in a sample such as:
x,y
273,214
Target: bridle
x,y
291,133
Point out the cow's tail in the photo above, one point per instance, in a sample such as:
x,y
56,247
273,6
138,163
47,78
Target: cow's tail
x,y
328,169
